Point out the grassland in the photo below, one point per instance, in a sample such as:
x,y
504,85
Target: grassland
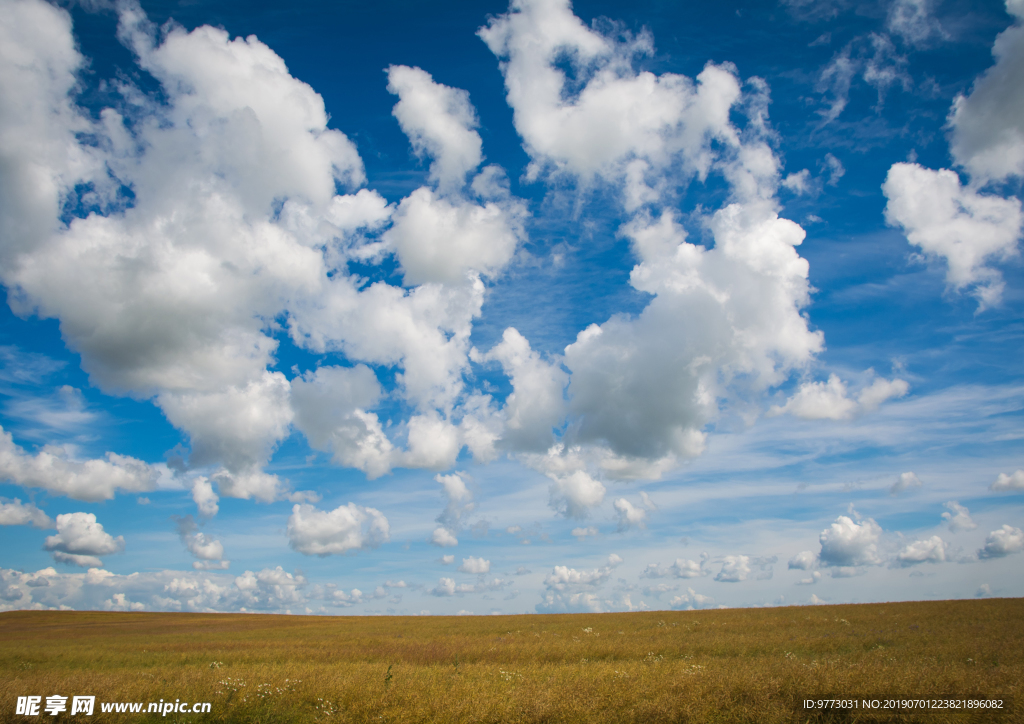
x,y
740,665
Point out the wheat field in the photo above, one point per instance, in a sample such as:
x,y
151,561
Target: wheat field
x,y
738,665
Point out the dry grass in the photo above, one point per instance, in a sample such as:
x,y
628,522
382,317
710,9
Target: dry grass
x,y
740,665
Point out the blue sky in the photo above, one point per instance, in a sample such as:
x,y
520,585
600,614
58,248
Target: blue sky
x,y
413,308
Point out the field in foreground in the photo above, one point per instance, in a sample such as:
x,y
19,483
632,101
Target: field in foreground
x,y
739,665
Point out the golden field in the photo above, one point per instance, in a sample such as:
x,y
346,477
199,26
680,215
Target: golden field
x,y
737,665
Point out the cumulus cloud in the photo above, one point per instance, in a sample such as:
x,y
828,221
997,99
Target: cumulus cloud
x,y
443,538
80,539
537,403
53,469
270,590
477,566
958,517
347,527
988,130
234,221
829,400
205,498
574,495
691,600
848,544
629,515
330,406
14,512
906,481
643,388
734,569
198,543
439,121
581,533
803,561
448,587
1004,482
931,550
459,500
1002,542
563,578
967,229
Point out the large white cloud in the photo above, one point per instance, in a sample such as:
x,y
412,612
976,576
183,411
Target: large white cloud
x,y
439,122
54,470
945,219
1002,542
80,539
204,547
537,403
930,550
830,401
848,543
959,517
14,512
347,527
1012,481
988,122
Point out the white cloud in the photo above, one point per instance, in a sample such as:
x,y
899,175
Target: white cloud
x,y
473,565
198,543
912,20
931,550
680,568
448,587
459,501
873,57
799,183
331,406
959,517
946,220
271,589
1004,482
685,568
581,533
536,404
988,123
80,539
734,569
448,241
444,538
347,600
573,495
77,559
347,527
829,400
447,560
629,515
835,169
906,481
846,543
14,512
205,499
439,122
1002,542
803,561
690,600
563,578
91,480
